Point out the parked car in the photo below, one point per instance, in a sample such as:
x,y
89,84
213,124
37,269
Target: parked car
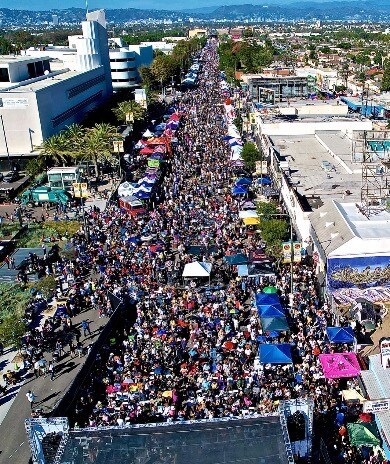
x,y
10,177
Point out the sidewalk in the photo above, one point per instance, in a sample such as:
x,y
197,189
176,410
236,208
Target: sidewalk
x,y
13,440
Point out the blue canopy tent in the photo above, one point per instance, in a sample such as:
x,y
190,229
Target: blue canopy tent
x,y
239,191
242,270
243,181
234,260
264,181
267,298
142,195
340,334
270,311
275,353
279,324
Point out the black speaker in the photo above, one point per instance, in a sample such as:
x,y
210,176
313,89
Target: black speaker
x,y
296,426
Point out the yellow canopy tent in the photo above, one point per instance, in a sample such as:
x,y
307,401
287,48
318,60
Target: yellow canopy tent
x,y
251,221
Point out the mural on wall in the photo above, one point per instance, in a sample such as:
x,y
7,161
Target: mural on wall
x,y
361,272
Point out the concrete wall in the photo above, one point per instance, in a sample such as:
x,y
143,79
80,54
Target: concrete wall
x,y
31,120
22,126
309,128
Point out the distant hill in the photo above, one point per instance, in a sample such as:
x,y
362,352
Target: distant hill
x,y
363,10
206,10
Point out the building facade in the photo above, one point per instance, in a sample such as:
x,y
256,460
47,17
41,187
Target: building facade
x,y
37,102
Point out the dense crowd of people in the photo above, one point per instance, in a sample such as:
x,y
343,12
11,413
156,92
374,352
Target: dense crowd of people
x,y
186,349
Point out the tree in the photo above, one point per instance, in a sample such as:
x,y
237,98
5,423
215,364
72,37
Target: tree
x,y
163,67
97,144
250,154
386,77
12,330
74,135
266,209
273,232
130,107
35,166
54,148
147,77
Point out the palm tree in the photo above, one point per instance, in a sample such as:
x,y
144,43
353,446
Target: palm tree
x,y
75,134
130,107
97,144
54,148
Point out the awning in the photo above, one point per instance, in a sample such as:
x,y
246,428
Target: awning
x,y
248,214
279,324
251,221
270,311
197,269
234,260
338,365
275,353
340,334
363,434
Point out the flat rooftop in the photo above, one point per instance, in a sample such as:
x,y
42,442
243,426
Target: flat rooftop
x,y
377,226
9,59
257,441
305,155
52,79
299,103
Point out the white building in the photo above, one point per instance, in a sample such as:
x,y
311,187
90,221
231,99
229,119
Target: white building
x,y
125,62
164,47
37,102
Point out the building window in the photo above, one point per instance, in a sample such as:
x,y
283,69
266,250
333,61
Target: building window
x,y
36,69
57,120
85,86
132,79
123,70
121,60
4,76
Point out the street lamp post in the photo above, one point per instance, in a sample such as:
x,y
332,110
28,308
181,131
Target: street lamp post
x,y
5,140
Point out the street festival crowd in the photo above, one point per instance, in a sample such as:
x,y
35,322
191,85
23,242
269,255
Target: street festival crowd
x,y
191,351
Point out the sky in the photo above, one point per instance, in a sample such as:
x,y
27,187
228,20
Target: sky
x,y
144,4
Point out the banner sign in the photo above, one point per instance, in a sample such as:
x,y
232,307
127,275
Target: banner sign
x,y
261,167
376,405
80,190
385,353
358,272
297,252
152,163
118,146
286,250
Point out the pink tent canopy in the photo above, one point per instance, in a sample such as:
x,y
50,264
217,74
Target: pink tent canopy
x,y
339,365
147,151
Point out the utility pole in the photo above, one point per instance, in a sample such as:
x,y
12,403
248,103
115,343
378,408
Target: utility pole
x,y
5,141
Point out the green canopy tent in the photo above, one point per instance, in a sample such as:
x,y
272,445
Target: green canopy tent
x,y
270,289
363,434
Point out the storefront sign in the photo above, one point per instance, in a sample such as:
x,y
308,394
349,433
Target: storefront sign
x,y
385,353
376,405
14,103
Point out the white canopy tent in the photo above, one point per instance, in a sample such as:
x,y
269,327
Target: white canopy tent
x,y
197,269
147,134
251,213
